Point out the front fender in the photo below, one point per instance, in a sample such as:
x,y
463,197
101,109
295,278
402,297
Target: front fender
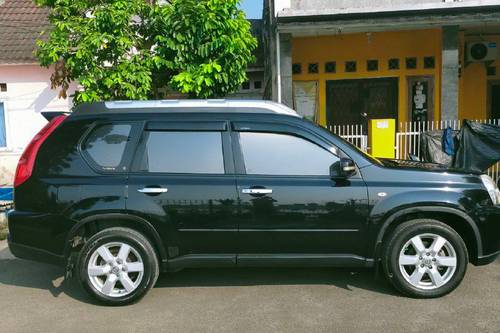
x,y
386,212
383,208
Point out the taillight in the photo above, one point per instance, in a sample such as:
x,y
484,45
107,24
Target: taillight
x,y
27,160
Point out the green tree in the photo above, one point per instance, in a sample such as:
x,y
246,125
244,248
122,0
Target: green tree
x,y
210,45
126,49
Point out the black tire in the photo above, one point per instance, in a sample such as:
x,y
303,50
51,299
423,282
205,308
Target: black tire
x,y
403,234
137,242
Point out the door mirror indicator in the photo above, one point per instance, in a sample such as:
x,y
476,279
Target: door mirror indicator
x,y
343,169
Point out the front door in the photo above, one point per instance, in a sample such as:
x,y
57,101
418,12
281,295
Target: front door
x,y
182,181
290,207
350,102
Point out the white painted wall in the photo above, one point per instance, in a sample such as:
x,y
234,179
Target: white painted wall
x,y
28,94
279,5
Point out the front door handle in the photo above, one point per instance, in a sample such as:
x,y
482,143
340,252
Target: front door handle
x,y
257,191
153,190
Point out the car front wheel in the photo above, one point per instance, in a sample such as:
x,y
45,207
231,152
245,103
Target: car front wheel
x,y
425,258
118,266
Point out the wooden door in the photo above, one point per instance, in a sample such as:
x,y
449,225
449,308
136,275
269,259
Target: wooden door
x,y
355,101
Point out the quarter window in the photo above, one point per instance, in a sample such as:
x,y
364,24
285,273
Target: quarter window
x,y
106,145
282,154
182,152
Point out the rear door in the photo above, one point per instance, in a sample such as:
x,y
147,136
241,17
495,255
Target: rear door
x,y
182,180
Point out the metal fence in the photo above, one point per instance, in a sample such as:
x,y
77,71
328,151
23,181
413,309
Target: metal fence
x,y
352,133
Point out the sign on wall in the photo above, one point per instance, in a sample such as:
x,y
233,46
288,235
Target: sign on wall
x,y
305,99
421,101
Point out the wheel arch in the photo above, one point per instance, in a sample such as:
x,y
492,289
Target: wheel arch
x,y
463,224
108,220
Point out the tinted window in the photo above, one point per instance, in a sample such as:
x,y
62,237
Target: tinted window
x,y
183,152
281,154
106,144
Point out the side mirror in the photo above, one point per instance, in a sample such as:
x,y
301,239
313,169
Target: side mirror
x,y
343,169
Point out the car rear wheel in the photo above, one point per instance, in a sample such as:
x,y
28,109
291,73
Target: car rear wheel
x,y
425,258
118,266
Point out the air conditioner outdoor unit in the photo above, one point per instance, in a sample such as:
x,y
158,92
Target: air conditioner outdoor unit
x,y
482,51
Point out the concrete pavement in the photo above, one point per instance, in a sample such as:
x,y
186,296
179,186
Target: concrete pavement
x,y
35,298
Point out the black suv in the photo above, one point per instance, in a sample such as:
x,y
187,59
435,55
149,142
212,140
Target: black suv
x,y
120,191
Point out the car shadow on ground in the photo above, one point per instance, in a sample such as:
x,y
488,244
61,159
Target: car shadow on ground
x,y
27,274
343,278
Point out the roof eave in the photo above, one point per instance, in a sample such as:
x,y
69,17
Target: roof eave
x,y
388,20
290,15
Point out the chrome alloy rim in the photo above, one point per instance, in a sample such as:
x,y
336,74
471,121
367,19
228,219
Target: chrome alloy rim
x,y
115,269
428,261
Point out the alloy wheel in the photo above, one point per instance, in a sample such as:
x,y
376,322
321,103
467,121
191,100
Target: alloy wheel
x,y
115,269
428,261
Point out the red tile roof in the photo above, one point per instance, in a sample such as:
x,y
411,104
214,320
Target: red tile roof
x,y
21,22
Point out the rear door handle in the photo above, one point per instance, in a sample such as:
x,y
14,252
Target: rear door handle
x,y
257,191
153,190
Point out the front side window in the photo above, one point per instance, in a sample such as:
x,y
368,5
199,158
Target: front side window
x,y
182,152
283,154
106,145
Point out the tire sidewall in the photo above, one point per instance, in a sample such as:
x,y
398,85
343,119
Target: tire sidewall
x,y
150,266
396,245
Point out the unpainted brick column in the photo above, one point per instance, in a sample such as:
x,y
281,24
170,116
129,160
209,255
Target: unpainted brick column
x,y
449,73
286,69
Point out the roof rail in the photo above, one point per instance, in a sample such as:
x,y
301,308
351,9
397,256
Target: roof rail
x,y
187,105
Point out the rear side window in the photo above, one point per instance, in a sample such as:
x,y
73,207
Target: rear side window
x,y
182,152
106,144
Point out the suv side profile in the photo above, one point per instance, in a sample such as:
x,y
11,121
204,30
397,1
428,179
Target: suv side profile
x,y
121,191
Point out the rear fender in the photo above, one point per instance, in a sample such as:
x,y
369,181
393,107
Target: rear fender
x,y
158,243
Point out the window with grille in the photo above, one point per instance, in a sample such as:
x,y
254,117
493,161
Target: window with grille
x,y
429,62
411,63
296,68
330,67
350,66
393,64
372,65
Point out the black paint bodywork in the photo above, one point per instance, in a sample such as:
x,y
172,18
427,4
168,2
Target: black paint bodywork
x,y
205,220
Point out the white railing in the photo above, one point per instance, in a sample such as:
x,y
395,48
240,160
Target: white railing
x,y
408,138
352,133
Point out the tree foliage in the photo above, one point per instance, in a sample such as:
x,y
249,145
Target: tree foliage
x,y
126,49
210,44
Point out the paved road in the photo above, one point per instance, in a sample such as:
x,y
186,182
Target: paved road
x,y
35,297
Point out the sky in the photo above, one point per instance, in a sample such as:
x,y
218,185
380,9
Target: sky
x,y
253,8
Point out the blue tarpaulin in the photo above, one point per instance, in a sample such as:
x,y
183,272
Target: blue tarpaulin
x,y
6,194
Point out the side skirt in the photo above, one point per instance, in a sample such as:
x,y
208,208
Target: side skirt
x,y
267,260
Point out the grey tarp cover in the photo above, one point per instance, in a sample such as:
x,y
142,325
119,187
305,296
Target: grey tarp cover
x,y
431,148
